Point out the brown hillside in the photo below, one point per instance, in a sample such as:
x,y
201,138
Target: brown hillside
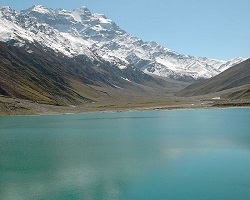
x,y
236,76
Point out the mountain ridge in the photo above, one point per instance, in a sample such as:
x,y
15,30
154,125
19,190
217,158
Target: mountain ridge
x,y
237,76
47,77
80,32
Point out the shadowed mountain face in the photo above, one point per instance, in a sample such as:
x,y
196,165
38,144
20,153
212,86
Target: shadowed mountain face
x,y
237,76
38,76
48,77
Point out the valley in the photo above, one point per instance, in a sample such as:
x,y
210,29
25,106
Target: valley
x,y
59,61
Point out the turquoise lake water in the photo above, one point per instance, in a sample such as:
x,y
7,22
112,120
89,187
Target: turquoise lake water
x,y
169,155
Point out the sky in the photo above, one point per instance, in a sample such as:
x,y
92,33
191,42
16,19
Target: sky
x,y
217,29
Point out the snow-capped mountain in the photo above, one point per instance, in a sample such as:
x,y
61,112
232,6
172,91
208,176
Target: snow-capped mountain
x,y
21,29
80,32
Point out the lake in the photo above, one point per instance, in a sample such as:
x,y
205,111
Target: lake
x,y
173,155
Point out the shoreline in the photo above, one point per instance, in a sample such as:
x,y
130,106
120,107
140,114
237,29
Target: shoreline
x,y
138,109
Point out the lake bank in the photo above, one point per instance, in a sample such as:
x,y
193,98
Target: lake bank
x,y
12,107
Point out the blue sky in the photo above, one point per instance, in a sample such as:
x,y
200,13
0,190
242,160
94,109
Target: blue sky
x,y
210,28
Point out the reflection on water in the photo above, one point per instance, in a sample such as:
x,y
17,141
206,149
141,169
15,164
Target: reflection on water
x,y
195,154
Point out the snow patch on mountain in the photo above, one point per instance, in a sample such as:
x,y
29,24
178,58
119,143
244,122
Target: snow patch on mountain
x,y
41,9
126,79
22,28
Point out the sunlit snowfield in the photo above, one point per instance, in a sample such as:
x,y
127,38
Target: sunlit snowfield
x,y
175,155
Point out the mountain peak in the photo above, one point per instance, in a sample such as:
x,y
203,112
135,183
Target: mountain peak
x,y
6,9
39,9
82,11
8,13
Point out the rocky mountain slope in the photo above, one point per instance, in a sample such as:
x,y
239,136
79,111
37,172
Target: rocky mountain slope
x,y
45,76
236,79
81,32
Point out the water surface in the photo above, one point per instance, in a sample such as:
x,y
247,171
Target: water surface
x,y
175,155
